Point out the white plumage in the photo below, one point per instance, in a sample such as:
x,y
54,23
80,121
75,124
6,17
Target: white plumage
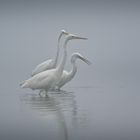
x,y
68,76
48,79
46,65
50,63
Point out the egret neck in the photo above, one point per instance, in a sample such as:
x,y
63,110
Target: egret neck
x,y
73,71
58,49
61,65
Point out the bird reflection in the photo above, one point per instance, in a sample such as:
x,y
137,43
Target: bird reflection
x,y
60,103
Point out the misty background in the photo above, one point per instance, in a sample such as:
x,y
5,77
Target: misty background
x,y
107,91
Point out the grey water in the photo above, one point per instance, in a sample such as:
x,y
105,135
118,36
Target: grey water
x,y
102,101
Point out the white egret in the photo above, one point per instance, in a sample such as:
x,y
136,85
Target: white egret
x,y
50,63
68,76
46,80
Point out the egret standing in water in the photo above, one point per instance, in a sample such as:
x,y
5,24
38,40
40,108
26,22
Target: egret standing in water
x,y
50,64
46,80
68,76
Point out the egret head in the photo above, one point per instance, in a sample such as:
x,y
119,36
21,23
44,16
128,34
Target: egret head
x,y
78,55
63,33
72,36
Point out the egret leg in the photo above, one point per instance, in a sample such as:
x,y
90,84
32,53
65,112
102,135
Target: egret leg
x,y
42,93
57,88
46,91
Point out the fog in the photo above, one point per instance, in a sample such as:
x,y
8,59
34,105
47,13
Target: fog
x,y
102,101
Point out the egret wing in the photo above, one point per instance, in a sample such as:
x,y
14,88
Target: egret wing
x,y
46,65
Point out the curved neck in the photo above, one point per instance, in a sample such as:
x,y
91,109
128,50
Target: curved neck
x,y
73,71
61,65
58,50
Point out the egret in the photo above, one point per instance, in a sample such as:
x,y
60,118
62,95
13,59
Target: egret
x,y
46,80
68,76
50,63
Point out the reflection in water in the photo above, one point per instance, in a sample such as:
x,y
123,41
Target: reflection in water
x,y
61,104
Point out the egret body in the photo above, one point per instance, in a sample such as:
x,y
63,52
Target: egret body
x,y
50,63
46,80
68,76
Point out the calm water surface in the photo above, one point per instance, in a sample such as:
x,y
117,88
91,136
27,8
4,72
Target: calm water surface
x,y
78,113
102,102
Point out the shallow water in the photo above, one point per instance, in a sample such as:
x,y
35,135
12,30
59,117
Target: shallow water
x,y
102,101
79,113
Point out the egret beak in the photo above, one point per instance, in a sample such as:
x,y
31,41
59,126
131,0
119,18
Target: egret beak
x,y
85,60
73,35
77,37
66,33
